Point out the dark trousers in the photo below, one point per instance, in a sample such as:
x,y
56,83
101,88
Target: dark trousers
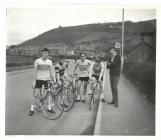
x,y
114,89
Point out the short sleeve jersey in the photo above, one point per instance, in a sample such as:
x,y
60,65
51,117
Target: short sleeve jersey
x,y
84,68
43,69
97,69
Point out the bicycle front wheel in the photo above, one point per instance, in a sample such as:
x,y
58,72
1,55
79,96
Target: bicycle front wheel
x,y
73,90
91,99
56,104
69,99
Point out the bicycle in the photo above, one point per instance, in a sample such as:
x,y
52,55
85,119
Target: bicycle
x,y
95,95
53,95
68,96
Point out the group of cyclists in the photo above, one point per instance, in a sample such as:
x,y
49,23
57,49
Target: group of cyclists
x,y
84,69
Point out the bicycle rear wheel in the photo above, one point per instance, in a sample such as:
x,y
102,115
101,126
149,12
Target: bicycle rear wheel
x,y
57,107
69,99
91,99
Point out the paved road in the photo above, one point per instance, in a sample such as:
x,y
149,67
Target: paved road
x,y
78,121
134,116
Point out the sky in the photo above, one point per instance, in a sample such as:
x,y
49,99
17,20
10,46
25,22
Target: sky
x,y
27,23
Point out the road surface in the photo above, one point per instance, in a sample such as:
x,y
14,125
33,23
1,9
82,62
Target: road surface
x,y
78,121
134,116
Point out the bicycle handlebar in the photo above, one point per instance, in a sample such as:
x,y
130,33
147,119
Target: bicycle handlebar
x,y
71,75
52,83
94,80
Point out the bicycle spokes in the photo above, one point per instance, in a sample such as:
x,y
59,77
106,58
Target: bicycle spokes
x,y
69,99
53,109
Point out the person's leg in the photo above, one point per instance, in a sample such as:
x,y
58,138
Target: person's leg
x,y
91,83
111,84
84,91
78,89
44,92
115,89
38,86
49,97
101,91
35,95
33,102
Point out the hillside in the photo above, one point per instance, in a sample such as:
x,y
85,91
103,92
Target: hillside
x,y
105,33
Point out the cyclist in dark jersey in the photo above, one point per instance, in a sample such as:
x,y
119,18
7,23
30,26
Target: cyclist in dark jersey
x,y
60,68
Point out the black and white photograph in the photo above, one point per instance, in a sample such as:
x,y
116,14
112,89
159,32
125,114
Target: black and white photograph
x,y
75,69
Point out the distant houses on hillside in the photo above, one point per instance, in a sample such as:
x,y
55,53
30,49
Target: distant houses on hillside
x,y
57,49
90,48
29,50
26,51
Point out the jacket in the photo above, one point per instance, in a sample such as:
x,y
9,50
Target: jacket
x,y
115,66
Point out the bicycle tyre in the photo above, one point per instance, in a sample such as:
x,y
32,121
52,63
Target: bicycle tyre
x,y
69,99
91,99
74,92
57,106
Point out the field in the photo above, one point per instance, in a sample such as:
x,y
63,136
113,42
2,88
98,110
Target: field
x,y
19,62
13,60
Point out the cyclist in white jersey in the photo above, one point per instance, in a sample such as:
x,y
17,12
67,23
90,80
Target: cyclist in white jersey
x,y
43,72
97,72
84,68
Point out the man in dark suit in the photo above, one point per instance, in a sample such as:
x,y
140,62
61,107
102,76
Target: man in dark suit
x,y
114,65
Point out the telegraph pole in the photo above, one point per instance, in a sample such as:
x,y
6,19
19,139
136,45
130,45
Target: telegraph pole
x,y
122,43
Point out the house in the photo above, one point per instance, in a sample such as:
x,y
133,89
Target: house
x,y
57,49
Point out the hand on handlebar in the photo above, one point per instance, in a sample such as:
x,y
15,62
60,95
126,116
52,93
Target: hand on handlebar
x,y
99,79
92,78
59,82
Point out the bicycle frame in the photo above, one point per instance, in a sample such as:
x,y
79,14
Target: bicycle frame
x,y
95,85
52,91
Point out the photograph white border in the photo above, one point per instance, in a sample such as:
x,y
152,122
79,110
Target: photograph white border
x,y
112,4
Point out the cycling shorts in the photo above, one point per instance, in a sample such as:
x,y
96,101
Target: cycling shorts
x,y
97,77
83,78
40,83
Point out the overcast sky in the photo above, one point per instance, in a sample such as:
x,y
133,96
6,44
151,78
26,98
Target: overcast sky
x,y
26,23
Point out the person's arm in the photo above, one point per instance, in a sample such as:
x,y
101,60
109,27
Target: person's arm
x,y
91,69
66,68
57,73
56,68
102,71
116,61
35,73
76,65
52,71
108,64
67,65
